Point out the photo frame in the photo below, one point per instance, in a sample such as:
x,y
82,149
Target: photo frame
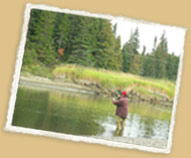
x,y
73,137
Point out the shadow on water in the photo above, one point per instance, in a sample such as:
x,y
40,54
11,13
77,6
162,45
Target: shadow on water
x,y
78,114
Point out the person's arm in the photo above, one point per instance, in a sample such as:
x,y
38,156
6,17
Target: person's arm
x,y
116,102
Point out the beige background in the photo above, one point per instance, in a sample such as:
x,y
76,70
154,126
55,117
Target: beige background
x,y
171,12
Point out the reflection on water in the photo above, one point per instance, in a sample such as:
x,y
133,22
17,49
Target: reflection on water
x,y
78,114
137,127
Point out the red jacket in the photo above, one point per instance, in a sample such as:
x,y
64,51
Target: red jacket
x,y
122,107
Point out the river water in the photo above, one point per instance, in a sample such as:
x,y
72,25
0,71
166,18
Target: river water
x,y
80,114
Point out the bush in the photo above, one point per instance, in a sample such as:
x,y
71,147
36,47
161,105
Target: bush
x,y
29,56
38,70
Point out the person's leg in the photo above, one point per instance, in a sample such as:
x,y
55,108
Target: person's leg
x,y
122,124
118,124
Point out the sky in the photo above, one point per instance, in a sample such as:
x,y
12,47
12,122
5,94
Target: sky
x,y
147,32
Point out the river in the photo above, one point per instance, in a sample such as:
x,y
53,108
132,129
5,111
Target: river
x,y
82,114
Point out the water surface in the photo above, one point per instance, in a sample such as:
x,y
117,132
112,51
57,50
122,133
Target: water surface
x,y
80,114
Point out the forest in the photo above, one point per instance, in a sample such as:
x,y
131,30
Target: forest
x,y
59,38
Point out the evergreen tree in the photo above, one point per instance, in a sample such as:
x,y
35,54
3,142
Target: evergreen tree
x,y
80,42
147,66
105,53
130,50
40,36
94,28
176,66
149,61
115,29
30,54
118,60
172,66
135,65
142,61
61,35
160,58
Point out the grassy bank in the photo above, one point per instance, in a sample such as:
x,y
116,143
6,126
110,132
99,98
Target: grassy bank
x,y
38,70
111,79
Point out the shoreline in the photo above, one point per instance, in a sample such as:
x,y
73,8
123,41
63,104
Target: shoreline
x,y
92,88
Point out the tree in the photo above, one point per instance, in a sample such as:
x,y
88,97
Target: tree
x,y
30,54
172,66
147,65
105,54
40,36
118,55
80,42
130,50
61,35
142,61
135,65
160,57
94,28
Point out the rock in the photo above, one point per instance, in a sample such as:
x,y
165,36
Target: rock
x,y
98,86
132,94
142,99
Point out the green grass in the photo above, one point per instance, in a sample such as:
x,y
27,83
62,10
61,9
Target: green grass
x,y
112,79
38,70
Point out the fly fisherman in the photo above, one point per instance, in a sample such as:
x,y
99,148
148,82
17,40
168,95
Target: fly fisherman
x,y
121,112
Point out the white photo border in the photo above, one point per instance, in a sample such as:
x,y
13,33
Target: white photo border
x,y
20,53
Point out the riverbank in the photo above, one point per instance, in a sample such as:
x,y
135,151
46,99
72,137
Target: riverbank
x,y
143,108
116,80
140,90
111,83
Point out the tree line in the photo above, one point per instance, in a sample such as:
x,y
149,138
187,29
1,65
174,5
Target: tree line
x,y
55,38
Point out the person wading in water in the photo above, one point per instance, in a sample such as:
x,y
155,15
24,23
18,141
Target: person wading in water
x,y
121,112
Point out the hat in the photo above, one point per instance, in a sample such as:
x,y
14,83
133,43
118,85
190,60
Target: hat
x,y
124,93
